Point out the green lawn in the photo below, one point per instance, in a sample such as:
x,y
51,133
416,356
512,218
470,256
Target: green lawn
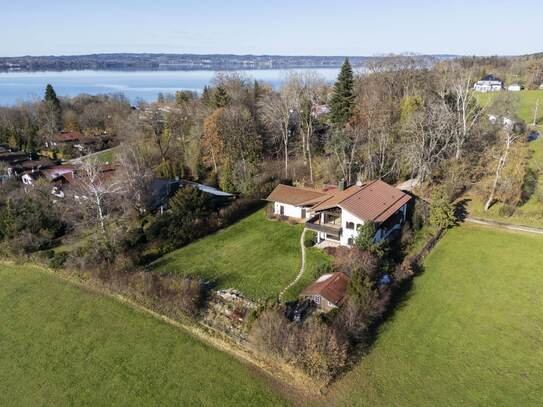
x,y
256,255
60,346
527,102
470,333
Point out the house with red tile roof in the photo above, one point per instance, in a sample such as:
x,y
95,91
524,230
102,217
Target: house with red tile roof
x,y
337,214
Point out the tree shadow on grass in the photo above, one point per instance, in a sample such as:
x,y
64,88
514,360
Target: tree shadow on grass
x,y
461,210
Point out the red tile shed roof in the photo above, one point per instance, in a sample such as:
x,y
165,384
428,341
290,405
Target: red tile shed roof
x,y
331,286
67,136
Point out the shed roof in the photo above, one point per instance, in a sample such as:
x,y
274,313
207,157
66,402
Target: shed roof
x,y
332,287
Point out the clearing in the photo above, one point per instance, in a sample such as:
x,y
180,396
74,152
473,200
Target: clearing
x,y
62,345
469,333
529,213
257,256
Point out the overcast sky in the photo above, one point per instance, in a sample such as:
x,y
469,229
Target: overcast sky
x,y
295,27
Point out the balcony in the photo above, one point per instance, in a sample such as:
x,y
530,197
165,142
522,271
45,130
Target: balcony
x,y
331,227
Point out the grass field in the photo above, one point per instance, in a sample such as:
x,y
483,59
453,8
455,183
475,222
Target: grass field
x,y
470,333
527,102
531,212
64,346
256,255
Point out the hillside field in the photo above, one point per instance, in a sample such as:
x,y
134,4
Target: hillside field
x,y
468,334
61,345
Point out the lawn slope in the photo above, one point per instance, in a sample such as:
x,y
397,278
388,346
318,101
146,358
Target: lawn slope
x,y
255,255
64,346
470,333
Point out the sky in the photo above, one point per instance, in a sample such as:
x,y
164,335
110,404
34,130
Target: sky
x,y
295,27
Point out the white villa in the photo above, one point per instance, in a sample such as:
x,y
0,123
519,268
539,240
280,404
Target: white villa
x,y
489,83
336,214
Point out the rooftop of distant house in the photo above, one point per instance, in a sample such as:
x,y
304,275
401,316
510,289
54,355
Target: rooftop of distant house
x,y
66,136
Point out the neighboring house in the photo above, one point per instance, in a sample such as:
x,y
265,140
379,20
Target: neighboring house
x,y
328,291
338,214
161,190
541,86
295,202
489,83
514,88
63,139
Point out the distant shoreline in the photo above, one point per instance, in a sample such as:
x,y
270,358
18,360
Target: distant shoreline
x,y
187,62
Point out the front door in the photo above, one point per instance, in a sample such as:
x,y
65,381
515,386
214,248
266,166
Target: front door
x,y
281,210
303,213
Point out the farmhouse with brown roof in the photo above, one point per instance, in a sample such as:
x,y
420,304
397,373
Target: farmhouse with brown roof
x,y
337,214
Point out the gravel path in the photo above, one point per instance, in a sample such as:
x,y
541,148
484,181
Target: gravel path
x,y
300,273
502,225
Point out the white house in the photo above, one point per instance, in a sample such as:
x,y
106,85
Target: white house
x,y
489,83
337,215
514,88
295,202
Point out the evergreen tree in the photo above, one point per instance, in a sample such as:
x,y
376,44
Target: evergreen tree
x,y
51,96
221,98
53,118
341,105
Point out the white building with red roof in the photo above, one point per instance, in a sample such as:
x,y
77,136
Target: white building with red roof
x,y
338,214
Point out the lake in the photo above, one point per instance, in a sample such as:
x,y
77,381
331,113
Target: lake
x,y
24,86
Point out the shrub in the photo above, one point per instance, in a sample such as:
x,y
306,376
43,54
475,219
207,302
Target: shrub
x,y
57,260
441,211
310,238
506,210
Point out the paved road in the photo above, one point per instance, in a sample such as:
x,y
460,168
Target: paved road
x,y
502,225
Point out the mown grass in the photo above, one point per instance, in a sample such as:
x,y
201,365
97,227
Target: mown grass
x,y
256,256
469,333
61,345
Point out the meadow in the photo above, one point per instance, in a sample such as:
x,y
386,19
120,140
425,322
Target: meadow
x,y
61,345
468,332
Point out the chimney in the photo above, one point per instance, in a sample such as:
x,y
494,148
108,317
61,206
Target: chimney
x,y
341,185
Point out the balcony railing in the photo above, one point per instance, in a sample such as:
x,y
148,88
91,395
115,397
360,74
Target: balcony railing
x,y
315,224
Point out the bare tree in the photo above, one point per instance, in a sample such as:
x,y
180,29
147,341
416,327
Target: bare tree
x,y
467,110
97,189
155,123
277,111
508,137
136,176
431,134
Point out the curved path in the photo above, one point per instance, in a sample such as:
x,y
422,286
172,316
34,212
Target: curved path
x,y
300,273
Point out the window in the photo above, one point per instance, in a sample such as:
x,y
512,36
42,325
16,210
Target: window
x,y
317,299
350,225
303,213
350,241
282,210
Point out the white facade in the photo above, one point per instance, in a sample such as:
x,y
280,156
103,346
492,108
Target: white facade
x,y
513,88
488,86
292,211
350,225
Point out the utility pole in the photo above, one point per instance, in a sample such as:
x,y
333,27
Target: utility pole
x,y
536,110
